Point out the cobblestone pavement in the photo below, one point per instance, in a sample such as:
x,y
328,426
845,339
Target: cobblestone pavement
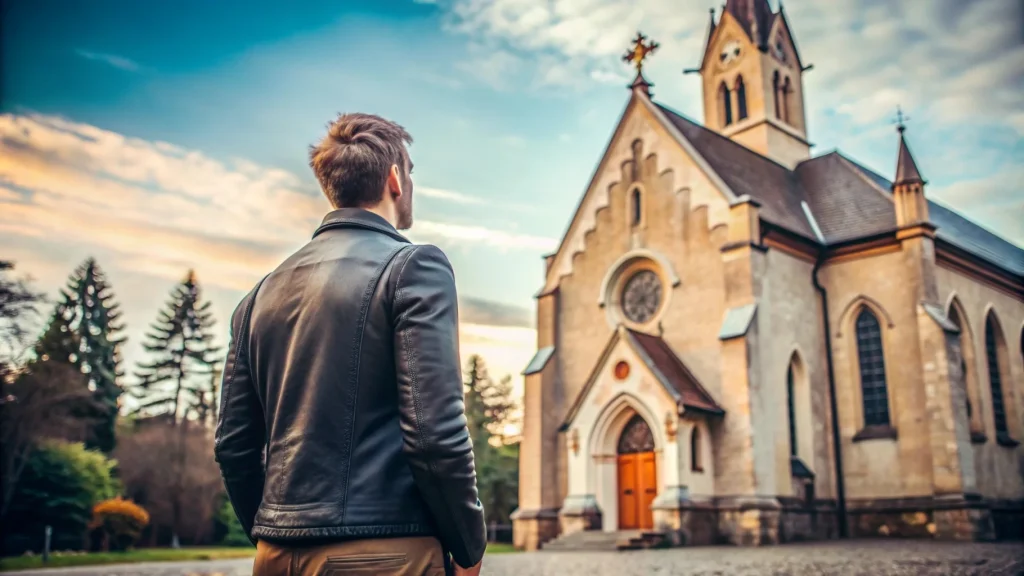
x,y
867,558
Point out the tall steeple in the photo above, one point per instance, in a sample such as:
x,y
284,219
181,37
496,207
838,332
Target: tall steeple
x,y
755,16
753,82
908,185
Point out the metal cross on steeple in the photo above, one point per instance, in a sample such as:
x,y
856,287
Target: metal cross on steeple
x,y
640,50
901,120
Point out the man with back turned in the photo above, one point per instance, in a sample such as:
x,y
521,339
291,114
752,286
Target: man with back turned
x,y
342,434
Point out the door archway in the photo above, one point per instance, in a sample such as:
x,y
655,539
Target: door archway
x,y
637,475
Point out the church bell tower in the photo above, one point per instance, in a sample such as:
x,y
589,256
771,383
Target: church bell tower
x,y
752,80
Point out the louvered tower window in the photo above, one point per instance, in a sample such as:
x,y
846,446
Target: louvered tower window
x,y
872,370
741,98
725,101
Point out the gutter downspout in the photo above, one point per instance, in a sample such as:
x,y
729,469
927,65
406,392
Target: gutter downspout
x,y
836,440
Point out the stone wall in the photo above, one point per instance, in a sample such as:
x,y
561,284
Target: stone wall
x,y
999,469
790,311
888,466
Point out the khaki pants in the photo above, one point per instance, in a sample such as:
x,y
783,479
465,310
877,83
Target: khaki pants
x,y
383,556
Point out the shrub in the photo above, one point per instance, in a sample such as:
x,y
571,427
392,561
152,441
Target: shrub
x,y
121,522
59,486
229,528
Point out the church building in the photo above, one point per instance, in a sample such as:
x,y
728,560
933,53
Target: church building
x,y
740,343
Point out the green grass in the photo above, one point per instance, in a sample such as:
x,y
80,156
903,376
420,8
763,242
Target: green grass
x,y
154,555
495,548
141,555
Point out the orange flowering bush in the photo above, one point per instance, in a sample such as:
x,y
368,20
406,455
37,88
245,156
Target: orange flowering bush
x,y
121,522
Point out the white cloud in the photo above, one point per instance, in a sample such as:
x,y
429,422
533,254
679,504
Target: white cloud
x,y
151,210
478,235
513,141
993,201
958,61
170,205
114,60
447,195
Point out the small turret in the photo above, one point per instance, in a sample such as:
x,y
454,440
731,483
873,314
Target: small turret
x,y
908,185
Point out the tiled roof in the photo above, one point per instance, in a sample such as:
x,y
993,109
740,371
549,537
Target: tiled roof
x,y
670,371
844,201
664,361
539,360
962,233
751,15
746,172
847,200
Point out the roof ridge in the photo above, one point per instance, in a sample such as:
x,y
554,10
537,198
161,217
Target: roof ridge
x,y
753,153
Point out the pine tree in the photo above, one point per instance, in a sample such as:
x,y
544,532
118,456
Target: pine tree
x,y
177,382
87,309
59,343
488,407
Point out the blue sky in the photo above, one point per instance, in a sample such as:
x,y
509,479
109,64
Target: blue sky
x,y
160,136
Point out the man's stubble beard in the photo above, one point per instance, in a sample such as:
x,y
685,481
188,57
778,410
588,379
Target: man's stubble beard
x,y
403,210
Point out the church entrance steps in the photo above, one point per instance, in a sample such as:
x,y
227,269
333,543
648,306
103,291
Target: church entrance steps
x,y
597,540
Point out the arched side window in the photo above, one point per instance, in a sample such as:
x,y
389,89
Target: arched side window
x,y
725,102
993,342
696,462
871,359
968,369
741,99
791,409
635,207
786,90
777,96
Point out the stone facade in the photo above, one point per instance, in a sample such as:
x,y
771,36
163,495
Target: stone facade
x,y
765,322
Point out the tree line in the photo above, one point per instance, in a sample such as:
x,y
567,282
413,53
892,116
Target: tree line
x,y
80,458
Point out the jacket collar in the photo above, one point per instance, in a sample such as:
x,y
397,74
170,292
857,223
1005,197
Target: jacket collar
x,y
358,218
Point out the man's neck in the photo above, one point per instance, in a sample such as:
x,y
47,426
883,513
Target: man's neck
x,y
385,211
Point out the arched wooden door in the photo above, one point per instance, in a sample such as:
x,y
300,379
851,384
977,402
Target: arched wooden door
x,y
638,478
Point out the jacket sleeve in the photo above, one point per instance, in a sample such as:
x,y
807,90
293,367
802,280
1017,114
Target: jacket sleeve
x,y
241,431
431,404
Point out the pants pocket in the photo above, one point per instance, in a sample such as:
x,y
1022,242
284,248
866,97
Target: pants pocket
x,y
363,563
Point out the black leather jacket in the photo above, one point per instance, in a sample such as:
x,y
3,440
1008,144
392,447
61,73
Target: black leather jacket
x,y
344,367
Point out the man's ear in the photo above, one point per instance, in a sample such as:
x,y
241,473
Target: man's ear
x,y
395,182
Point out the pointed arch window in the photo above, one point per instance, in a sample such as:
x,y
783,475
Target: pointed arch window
x,y
696,458
786,90
635,207
741,99
791,409
967,369
993,342
725,103
870,356
777,96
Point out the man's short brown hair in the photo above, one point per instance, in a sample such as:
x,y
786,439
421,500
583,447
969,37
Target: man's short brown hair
x,y
353,161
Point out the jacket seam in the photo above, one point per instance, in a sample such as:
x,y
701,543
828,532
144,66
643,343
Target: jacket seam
x,y
242,338
357,346
414,381
368,225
